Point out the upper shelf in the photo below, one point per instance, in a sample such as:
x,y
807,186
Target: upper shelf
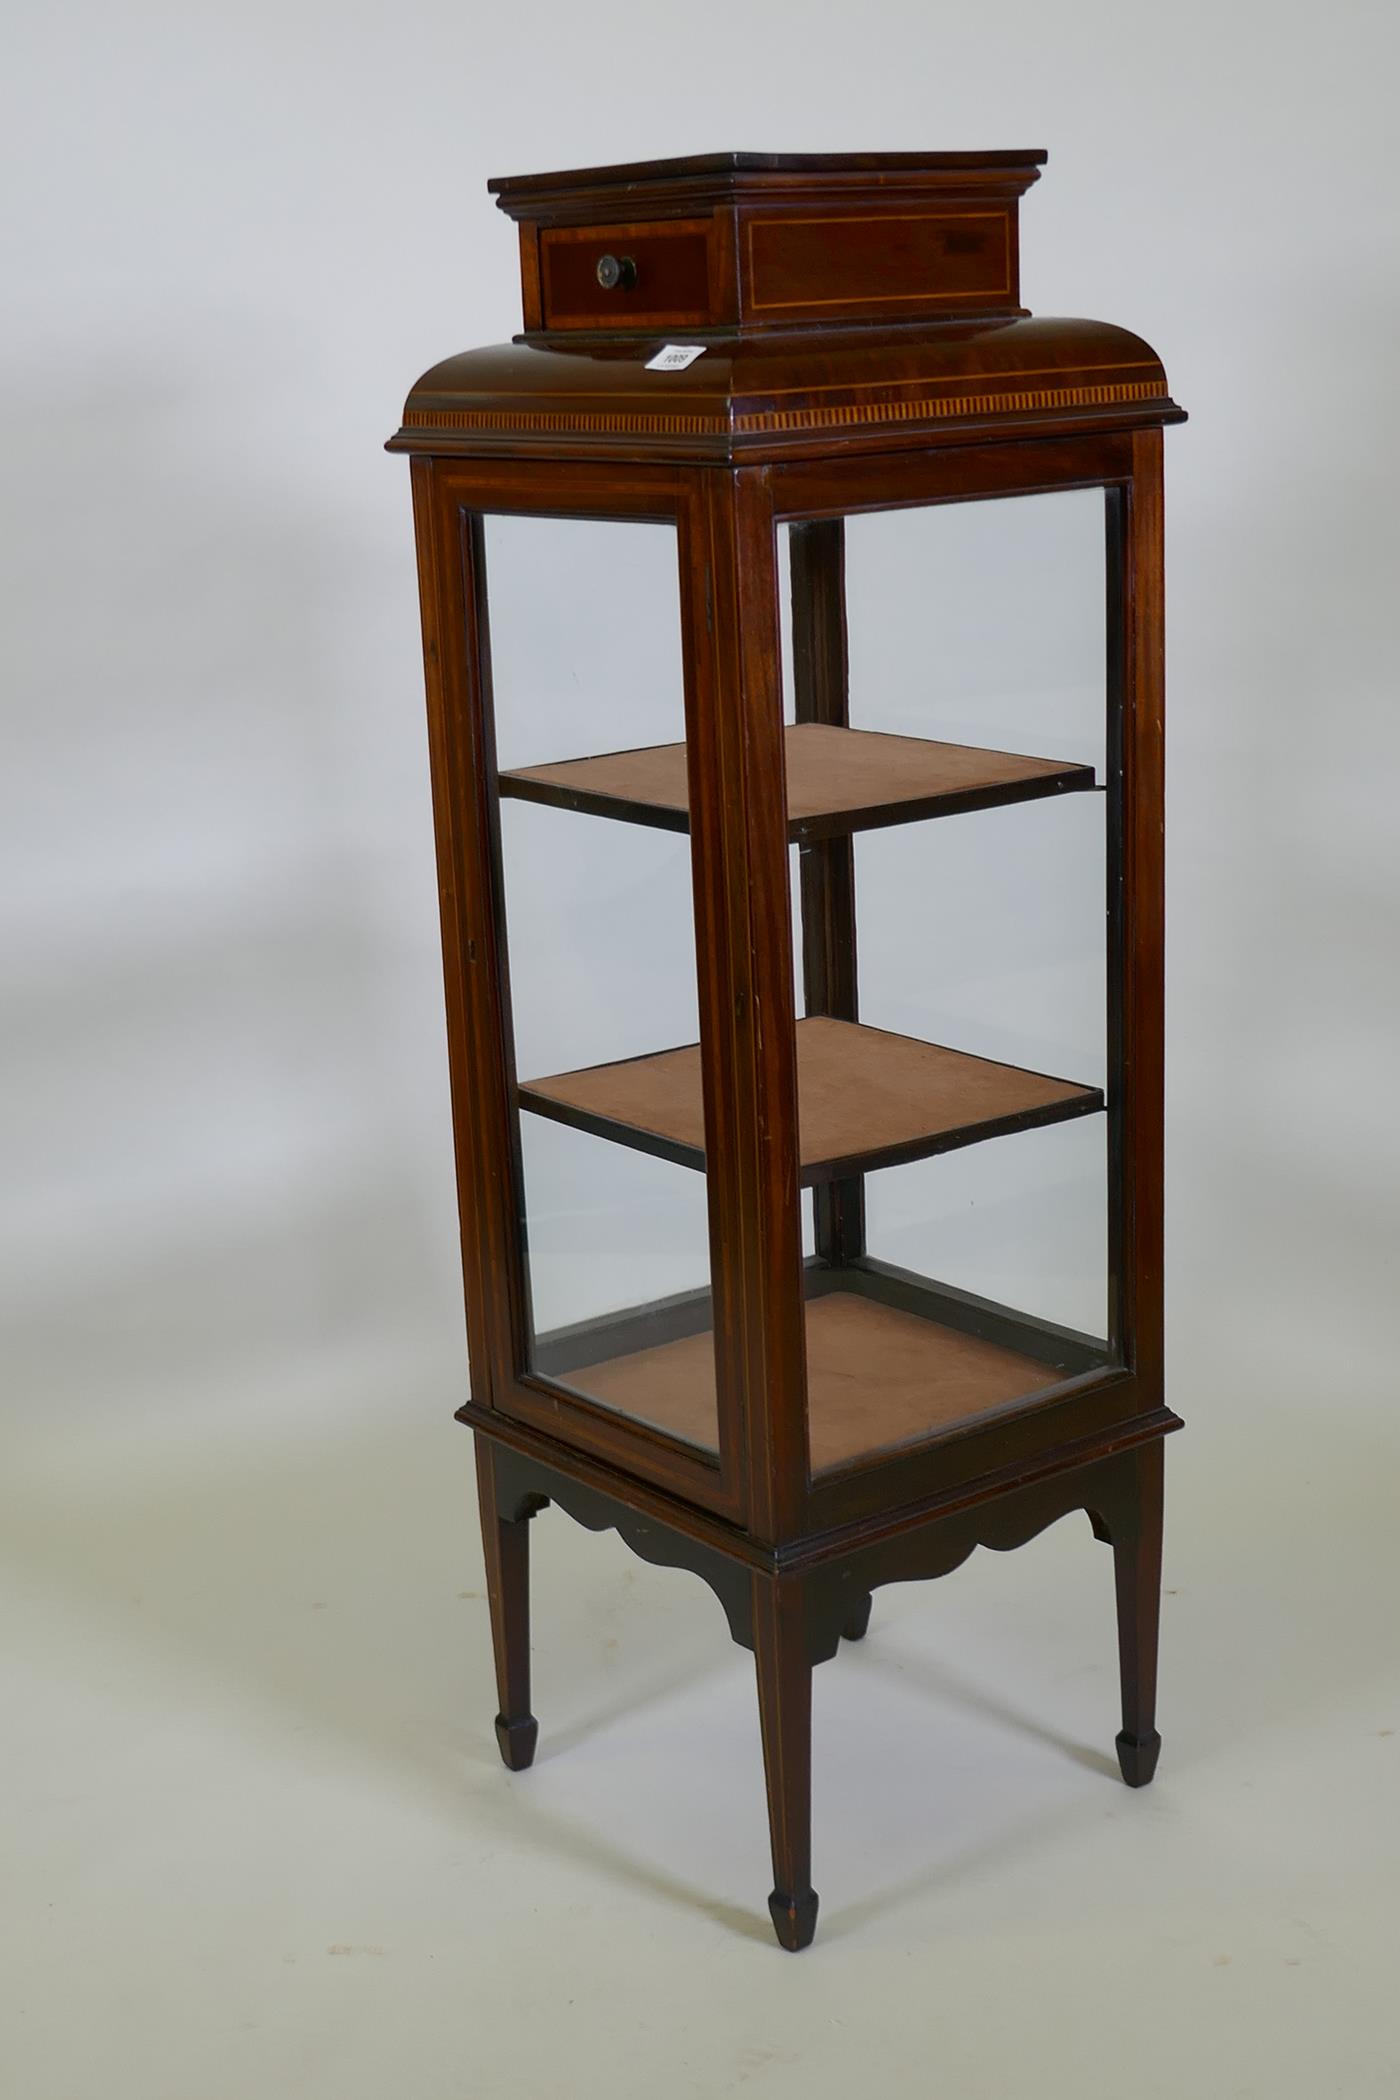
x,y
838,780
865,1099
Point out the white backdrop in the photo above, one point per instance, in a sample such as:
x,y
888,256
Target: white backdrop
x,y
240,237
234,237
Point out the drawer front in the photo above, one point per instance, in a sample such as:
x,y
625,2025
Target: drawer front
x,y
900,264
645,277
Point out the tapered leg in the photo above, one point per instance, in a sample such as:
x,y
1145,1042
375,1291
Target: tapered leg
x,y
785,1712
1137,1566
506,1547
857,1624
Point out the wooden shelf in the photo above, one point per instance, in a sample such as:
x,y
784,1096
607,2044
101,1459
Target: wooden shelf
x,y
877,1377
866,1099
838,780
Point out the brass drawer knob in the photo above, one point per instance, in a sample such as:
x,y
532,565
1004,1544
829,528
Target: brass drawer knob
x,y
616,273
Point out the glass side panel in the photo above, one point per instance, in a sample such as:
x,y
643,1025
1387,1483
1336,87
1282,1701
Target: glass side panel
x,y
600,932
944,792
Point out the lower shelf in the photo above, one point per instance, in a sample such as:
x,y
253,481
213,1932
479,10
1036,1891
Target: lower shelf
x,y
878,1375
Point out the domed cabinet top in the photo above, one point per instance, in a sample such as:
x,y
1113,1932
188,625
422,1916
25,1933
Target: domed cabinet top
x,y
748,306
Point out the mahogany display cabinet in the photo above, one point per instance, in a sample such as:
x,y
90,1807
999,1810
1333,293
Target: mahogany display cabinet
x,y
694,1143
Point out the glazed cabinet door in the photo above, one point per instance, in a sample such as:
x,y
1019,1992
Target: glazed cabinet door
x,y
971,722
560,617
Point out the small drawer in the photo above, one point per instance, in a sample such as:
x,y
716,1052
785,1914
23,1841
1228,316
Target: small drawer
x,y
646,277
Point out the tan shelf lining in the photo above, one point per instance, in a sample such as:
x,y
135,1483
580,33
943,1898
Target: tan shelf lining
x,y
863,1095
863,775
876,1378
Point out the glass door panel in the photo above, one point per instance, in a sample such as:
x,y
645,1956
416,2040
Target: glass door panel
x,y
945,692
591,761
